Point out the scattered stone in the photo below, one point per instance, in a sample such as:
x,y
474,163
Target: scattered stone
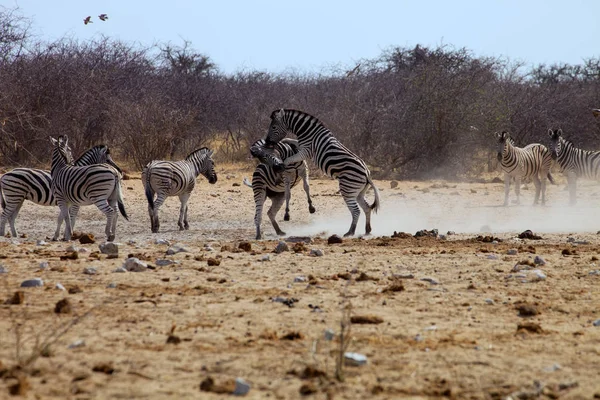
x,y
163,262
235,184
120,270
363,276
299,247
300,279
241,387
41,243
172,339
539,261
528,234
133,264
73,255
329,334
316,252
63,307
75,289
539,274
527,310
43,265
213,262
59,287
162,241
568,252
397,286
132,242
491,257
76,344
3,269
105,368
426,233
293,335
594,272
489,301
281,247
17,298
401,235
531,327
87,238
393,184
334,239
176,248
245,246
403,276
90,270
35,282
596,322
226,386
512,252
285,300
366,319
299,239
488,239
355,359
109,248
112,285
308,388
433,281
265,258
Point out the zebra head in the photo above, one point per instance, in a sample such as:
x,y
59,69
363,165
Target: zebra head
x,y
61,153
556,142
278,128
204,164
266,156
99,154
503,138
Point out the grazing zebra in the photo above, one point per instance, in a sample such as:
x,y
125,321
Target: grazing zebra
x,y
22,184
176,178
271,179
317,142
532,161
98,184
574,163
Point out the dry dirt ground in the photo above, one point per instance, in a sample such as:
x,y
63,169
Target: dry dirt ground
x,y
454,317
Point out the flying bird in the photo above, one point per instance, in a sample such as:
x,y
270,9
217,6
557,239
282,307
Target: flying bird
x,y
596,112
103,17
88,20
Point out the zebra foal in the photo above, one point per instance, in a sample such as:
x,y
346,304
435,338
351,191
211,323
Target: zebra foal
x,y
574,163
532,161
76,186
176,178
31,184
274,181
332,157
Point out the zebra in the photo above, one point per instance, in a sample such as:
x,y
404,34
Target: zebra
x,y
271,179
31,184
532,161
98,184
332,157
176,178
574,163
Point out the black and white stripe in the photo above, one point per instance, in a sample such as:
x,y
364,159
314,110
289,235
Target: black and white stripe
x,y
574,163
530,162
22,184
176,178
98,184
332,157
271,179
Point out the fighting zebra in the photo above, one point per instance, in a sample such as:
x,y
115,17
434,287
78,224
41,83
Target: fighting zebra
x,y
22,184
271,179
332,157
98,184
532,161
176,178
574,163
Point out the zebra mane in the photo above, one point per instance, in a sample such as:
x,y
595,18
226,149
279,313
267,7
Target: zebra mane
x,y
295,113
200,151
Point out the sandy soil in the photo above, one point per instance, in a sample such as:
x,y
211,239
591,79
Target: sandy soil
x,y
453,331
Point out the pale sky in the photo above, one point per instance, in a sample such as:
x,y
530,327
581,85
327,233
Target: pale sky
x,y
309,35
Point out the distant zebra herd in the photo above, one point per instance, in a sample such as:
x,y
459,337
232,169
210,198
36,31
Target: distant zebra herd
x,y
94,178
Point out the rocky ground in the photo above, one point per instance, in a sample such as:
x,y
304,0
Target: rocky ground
x,y
478,314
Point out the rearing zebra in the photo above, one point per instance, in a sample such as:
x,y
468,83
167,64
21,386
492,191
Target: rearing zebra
x,y
271,179
176,178
574,163
98,184
532,161
22,184
334,159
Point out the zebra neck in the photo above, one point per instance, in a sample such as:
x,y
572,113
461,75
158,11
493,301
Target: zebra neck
x,y
58,162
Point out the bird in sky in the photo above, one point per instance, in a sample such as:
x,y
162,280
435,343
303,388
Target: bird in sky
x,y
88,20
103,17
596,112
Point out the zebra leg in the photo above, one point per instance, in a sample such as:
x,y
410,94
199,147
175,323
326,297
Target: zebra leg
x,y
160,199
183,222
260,196
9,214
518,189
572,182
355,212
73,211
276,203
362,202
507,179
304,175
63,216
112,202
288,195
104,206
538,187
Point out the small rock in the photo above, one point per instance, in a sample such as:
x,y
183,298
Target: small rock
x,y
539,274
426,233
433,281
300,279
450,233
334,239
3,269
355,359
162,241
489,301
17,298
176,248
59,287
512,252
593,272
528,234
90,270
404,276
281,247
241,387
329,334
163,262
299,239
213,262
596,322
539,260
41,243
120,270
112,285
527,310
76,344
491,257
316,252
308,388
87,238
133,264
393,184
35,282
63,307
109,248
265,258
43,264
132,242
245,246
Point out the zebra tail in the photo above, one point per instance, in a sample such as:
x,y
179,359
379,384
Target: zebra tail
x,y
120,198
148,189
247,182
551,179
376,203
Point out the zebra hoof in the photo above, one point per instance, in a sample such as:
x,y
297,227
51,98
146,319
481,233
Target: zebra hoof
x,y
110,238
281,233
347,234
311,209
286,217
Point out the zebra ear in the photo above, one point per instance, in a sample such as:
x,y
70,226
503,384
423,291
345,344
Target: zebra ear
x,y
550,132
53,141
559,132
505,135
277,114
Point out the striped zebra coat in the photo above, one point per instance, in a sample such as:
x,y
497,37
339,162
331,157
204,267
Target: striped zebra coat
x,y
316,142
98,184
530,162
176,178
574,163
273,180
22,184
